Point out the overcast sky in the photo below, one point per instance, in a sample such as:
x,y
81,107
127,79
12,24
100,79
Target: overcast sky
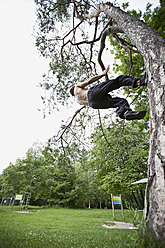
x,y
21,70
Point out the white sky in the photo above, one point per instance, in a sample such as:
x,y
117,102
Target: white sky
x,y
21,70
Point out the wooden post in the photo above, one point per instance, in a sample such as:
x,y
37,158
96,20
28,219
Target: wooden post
x,y
113,206
122,206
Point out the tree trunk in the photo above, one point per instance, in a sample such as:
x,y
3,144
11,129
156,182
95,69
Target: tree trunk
x,y
152,47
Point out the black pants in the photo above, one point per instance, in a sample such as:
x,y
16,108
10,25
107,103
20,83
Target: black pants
x,y
99,98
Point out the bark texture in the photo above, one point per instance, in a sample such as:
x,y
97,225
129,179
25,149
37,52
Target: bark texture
x,y
152,46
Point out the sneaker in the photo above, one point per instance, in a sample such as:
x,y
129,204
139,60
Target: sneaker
x,y
144,79
133,115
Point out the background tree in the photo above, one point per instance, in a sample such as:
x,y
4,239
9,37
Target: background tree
x,y
60,181
50,175
123,161
26,175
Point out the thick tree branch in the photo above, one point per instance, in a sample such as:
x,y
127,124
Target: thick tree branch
x,y
107,31
111,30
92,15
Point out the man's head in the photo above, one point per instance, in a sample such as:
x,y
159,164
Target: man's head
x,y
72,90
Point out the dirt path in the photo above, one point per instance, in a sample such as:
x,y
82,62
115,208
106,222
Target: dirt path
x,y
118,225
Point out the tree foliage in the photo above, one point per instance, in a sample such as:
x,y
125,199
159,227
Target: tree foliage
x,y
123,160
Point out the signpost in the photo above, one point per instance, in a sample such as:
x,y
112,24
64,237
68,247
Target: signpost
x,y
23,199
116,200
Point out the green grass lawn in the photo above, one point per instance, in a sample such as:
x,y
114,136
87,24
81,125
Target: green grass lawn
x,y
44,228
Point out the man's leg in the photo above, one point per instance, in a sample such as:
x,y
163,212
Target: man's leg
x,y
123,106
125,112
98,91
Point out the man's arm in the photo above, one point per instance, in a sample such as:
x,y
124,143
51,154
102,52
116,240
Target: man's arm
x,y
93,79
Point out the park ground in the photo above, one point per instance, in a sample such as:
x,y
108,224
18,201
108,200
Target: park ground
x,y
65,228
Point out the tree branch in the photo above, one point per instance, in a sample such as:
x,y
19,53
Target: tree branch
x,y
94,37
137,95
101,126
131,62
94,14
69,124
125,44
107,31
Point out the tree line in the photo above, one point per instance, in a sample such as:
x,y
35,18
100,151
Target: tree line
x,y
79,177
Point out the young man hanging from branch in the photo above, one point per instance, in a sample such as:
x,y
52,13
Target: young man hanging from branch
x,y
98,97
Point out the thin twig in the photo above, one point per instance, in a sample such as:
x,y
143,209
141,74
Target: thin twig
x,y
137,95
125,44
70,123
101,126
